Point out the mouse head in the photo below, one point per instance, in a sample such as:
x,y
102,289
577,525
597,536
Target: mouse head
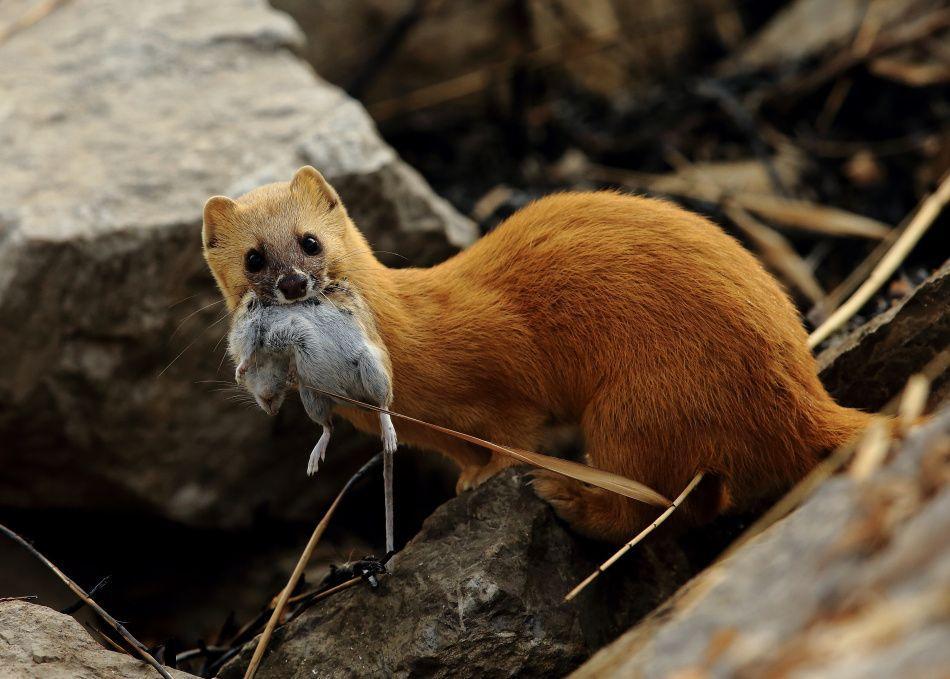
x,y
280,241
264,367
267,375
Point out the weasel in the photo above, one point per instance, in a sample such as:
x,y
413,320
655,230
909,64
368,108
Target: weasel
x,y
645,324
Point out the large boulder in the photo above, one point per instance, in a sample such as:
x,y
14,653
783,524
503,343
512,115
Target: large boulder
x,y
480,592
117,121
852,584
38,643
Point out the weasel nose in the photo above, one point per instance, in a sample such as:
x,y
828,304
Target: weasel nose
x,y
293,285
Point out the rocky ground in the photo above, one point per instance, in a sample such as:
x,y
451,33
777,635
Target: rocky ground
x,y
121,456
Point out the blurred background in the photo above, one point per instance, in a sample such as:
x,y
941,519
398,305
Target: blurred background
x,y
808,129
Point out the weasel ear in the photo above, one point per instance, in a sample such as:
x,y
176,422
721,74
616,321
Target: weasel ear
x,y
312,184
217,217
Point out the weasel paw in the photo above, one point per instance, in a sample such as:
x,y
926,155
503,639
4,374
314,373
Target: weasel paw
x,y
559,492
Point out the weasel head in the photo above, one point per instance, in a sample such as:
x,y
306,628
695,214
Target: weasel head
x,y
281,241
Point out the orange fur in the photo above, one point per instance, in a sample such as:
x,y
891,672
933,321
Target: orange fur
x,y
656,332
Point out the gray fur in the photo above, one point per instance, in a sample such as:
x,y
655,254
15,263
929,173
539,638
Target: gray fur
x,y
318,345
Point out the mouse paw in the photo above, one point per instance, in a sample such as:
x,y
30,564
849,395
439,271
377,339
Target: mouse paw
x,y
313,464
318,453
390,441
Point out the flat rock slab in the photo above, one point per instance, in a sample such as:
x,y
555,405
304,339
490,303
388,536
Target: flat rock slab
x,y
117,121
478,592
38,643
852,584
871,365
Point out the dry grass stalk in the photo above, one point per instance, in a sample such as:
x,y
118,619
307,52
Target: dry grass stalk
x,y
871,451
928,210
799,214
639,537
808,216
579,472
819,313
906,32
81,593
913,402
299,568
323,594
911,73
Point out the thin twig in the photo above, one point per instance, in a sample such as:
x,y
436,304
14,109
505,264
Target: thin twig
x,y
928,211
639,537
309,598
301,564
78,591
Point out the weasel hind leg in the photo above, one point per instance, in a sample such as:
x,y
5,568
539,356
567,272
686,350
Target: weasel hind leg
x,y
591,511
614,443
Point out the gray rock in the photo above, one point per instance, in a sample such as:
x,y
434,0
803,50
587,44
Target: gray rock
x,y
37,642
871,365
117,121
478,592
852,584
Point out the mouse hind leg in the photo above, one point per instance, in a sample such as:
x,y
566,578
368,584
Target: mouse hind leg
x,y
319,410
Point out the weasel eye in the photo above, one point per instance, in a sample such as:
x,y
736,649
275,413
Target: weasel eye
x,y
254,261
310,245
